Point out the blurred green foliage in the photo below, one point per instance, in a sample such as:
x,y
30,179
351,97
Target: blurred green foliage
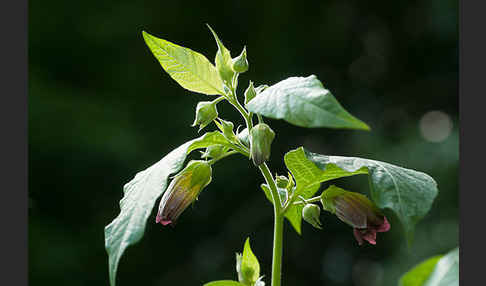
x,y
101,109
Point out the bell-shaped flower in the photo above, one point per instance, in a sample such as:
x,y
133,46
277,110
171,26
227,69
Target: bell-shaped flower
x,y
183,190
357,211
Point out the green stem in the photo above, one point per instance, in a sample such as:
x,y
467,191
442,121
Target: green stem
x,y
277,249
311,200
277,228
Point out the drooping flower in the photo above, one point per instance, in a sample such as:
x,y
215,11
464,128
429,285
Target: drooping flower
x,y
183,190
357,211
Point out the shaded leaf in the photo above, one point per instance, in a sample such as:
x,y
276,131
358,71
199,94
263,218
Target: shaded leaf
x,y
139,198
190,69
303,101
436,271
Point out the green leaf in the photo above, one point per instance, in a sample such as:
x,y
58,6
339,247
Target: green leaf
x,y
294,212
223,61
224,283
408,193
307,174
190,69
303,101
436,271
139,198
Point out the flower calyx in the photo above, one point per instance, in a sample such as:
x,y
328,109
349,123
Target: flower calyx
x,y
261,138
240,63
206,112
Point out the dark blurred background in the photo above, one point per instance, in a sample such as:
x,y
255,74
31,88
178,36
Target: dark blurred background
x,y
101,109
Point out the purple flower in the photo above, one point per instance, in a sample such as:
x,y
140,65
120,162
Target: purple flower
x,y
357,211
183,190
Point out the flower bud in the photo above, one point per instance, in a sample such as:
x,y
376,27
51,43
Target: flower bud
x,y
250,92
260,143
311,213
240,63
357,211
243,137
282,181
183,190
206,112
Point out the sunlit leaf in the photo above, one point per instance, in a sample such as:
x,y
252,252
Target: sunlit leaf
x,y
190,69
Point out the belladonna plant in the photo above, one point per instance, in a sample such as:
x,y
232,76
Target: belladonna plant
x,y
301,101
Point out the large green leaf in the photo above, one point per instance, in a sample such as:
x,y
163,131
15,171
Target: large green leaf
x,y
303,101
224,283
408,193
436,271
139,198
190,69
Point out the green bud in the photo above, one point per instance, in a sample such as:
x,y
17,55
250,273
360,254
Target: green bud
x,y
206,112
240,63
226,128
214,151
282,181
261,143
311,213
243,137
183,190
250,93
